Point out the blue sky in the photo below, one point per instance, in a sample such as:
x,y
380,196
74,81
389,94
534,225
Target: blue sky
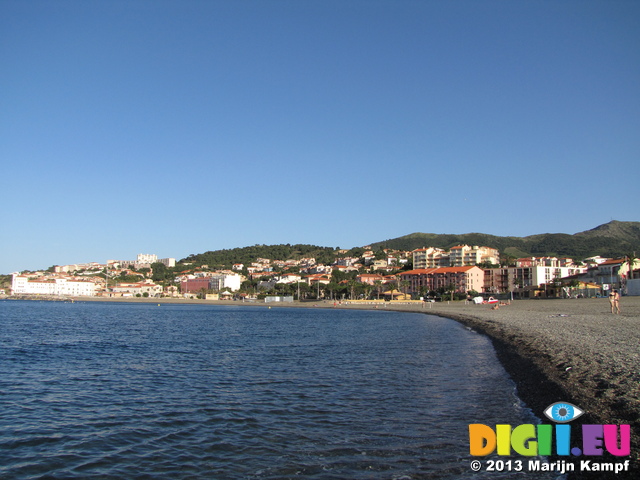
x,y
177,127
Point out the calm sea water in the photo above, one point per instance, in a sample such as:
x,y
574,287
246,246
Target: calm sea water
x,y
132,391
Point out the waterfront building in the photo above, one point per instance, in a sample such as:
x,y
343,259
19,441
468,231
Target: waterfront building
x,y
231,281
215,281
462,279
135,289
530,275
25,285
371,278
613,272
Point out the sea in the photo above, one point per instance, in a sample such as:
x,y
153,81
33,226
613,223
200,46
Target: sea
x,y
97,390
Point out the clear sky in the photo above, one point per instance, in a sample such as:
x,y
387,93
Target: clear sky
x,y
177,127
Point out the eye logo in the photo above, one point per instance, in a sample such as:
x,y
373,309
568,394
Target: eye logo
x,y
562,412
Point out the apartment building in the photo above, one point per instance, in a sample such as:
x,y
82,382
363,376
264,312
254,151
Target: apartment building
x,y
77,267
507,279
544,262
463,279
135,289
430,257
143,260
215,281
371,278
463,255
24,285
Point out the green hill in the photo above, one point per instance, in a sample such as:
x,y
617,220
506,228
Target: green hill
x,y
609,240
246,255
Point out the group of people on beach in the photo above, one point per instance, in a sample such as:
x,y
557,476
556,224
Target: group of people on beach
x,y
614,301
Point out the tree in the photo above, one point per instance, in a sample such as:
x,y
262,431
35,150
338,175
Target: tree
x,y
160,272
631,261
303,289
332,287
451,288
506,260
378,286
392,286
404,284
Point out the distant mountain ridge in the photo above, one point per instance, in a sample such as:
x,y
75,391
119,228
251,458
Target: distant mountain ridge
x,y
611,239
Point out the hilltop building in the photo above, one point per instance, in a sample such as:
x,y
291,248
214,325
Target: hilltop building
x,y
143,260
76,267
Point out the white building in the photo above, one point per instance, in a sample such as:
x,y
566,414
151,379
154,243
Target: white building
x,y
134,289
147,258
231,281
168,262
500,280
430,257
289,278
23,285
78,266
464,255
143,260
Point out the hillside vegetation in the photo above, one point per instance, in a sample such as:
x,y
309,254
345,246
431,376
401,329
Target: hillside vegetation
x,y
609,240
613,239
246,255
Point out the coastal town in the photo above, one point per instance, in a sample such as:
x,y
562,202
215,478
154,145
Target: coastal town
x,y
423,274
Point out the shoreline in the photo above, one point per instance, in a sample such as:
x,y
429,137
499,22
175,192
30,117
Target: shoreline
x,y
552,337
554,350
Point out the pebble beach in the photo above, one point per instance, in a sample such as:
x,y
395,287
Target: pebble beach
x,y
572,350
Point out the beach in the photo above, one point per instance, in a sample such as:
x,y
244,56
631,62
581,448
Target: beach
x,y
572,350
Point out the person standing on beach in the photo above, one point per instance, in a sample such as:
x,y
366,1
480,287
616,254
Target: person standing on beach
x,y
614,301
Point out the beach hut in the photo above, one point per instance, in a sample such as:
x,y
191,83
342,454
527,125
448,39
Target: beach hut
x,y
226,295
